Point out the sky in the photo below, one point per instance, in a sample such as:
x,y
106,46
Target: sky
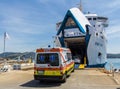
x,y
31,24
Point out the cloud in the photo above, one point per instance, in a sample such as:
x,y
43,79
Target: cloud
x,y
43,1
114,4
113,33
112,7
22,21
26,25
31,24
113,30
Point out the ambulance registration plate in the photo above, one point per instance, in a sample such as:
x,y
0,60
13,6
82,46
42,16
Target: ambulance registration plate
x,y
41,72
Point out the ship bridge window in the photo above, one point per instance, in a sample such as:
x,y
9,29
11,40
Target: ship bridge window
x,y
89,18
94,18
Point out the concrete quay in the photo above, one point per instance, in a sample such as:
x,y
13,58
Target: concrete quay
x,y
80,79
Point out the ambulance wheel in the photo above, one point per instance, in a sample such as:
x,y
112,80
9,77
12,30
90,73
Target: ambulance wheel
x,y
41,81
64,78
73,70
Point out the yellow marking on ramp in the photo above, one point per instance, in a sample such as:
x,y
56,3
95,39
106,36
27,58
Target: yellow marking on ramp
x,y
82,66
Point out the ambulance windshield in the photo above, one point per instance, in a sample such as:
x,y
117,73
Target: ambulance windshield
x,y
48,58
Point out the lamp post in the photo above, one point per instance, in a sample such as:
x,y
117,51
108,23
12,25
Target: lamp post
x,y
6,36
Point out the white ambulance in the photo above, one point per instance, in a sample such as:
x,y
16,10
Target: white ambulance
x,y
53,64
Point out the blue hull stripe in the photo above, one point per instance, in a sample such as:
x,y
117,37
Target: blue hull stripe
x,y
97,65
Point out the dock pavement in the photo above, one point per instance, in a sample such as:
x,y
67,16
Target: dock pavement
x,y
80,79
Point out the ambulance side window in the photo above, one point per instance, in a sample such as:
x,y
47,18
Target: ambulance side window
x,y
69,57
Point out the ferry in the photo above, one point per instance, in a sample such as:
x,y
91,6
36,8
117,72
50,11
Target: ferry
x,y
84,35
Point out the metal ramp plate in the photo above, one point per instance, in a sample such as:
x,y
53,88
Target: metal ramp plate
x,y
79,66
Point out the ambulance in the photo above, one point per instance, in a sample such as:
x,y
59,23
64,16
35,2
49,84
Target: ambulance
x,y
53,64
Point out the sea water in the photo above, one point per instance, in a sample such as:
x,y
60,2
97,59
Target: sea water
x,y
113,62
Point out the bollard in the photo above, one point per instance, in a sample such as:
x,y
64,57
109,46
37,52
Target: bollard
x,y
111,68
112,71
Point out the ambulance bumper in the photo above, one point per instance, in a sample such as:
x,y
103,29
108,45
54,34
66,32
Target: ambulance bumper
x,y
42,77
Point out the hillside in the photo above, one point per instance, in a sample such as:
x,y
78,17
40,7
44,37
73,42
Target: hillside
x,y
25,55
109,55
15,55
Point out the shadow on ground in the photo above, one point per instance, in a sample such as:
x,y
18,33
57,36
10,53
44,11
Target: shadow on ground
x,y
34,83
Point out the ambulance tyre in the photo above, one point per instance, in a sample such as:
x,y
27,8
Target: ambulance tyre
x,y
73,70
41,81
64,78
